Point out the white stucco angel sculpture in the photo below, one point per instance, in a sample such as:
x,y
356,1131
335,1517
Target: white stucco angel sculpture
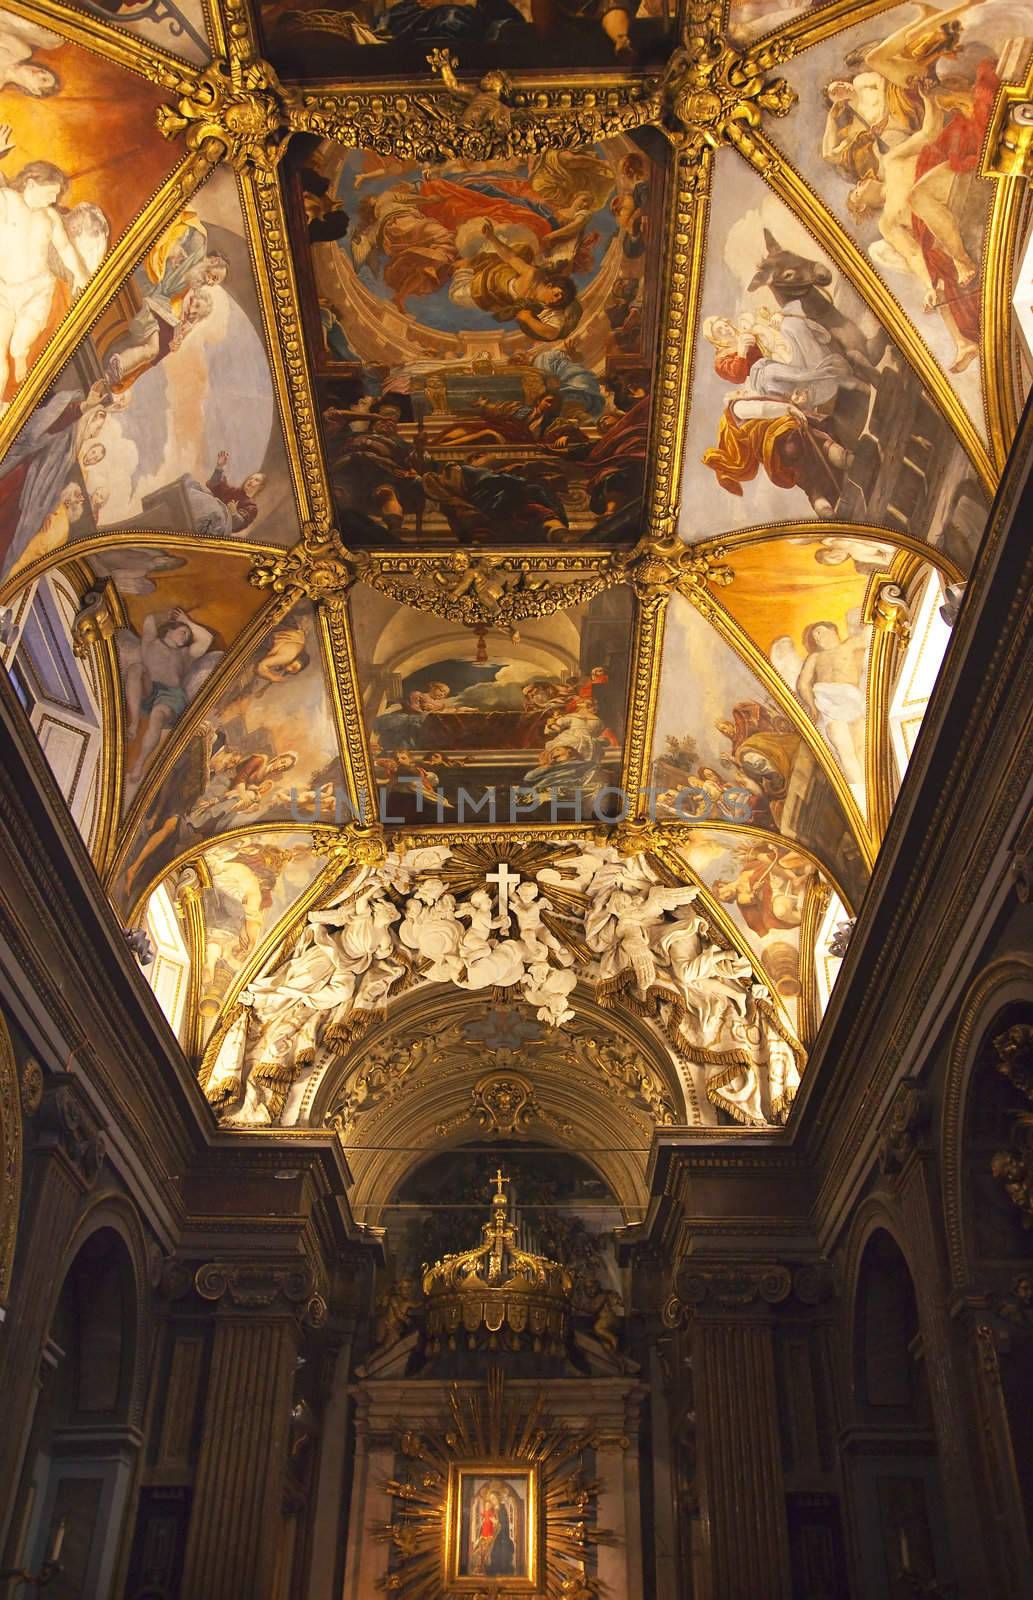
x,y
619,927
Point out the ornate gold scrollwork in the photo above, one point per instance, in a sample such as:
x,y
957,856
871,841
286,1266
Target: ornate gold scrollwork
x,y
491,120
714,94
486,590
489,590
318,566
660,567
358,845
236,103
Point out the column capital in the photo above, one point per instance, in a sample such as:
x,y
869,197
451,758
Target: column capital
x,y
743,1286
901,1134
285,1288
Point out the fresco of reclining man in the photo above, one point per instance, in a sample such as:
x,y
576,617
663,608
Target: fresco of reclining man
x,y
467,727
483,335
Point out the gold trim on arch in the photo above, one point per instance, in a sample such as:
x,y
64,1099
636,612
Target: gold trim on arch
x,y
792,189
885,658
682,277
815,26
734,636
157,215
765,532
129,539
104,653
188,906
819,897
645,666
996,335
265,228
720,919
345,699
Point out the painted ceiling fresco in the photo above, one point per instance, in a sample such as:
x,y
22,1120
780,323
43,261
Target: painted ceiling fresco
x,y
485,492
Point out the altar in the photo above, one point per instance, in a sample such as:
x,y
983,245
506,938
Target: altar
x,y
391,1413
496,1441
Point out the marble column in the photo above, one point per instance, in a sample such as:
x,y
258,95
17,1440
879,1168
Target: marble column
x,y
236,1519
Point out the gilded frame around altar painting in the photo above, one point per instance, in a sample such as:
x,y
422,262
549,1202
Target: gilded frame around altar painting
x,y
493,1528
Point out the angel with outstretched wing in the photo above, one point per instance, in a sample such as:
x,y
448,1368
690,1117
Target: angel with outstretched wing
x,y
535,290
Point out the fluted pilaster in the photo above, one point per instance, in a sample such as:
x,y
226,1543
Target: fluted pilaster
x,y
742,1493
236,1518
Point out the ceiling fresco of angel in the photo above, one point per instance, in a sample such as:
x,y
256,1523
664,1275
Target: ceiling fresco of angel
x,y
482,335
449,522
73,178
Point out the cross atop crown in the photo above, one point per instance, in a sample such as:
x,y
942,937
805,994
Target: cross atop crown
x,y
500,1193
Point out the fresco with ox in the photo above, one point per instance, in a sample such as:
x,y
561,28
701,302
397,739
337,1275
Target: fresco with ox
x,y
803,408
483,336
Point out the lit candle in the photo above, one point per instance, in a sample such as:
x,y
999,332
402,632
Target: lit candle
x,y
905,1551
59,1539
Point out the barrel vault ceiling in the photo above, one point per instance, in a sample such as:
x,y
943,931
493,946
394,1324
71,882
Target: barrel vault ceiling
x,y
504,430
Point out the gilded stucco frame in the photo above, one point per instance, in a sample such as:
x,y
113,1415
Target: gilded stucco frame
x,y
236,111
494,1467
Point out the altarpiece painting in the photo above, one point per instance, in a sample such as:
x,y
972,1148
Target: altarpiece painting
x,y
493,1532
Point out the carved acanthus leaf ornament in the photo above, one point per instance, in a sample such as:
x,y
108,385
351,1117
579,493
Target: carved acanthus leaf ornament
x,y
487,590
710,93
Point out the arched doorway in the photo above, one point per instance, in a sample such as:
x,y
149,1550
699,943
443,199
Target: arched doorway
x,y
899,1522
80,1465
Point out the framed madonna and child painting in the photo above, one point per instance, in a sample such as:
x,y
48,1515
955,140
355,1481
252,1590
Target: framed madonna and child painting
x,y
493,1531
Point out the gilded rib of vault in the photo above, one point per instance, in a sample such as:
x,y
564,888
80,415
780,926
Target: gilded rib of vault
x,y
500,432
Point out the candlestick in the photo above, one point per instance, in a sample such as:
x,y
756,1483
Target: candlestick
x,y
58,1541
905,1551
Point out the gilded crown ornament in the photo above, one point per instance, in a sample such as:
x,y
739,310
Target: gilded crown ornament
x,y
498,1293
